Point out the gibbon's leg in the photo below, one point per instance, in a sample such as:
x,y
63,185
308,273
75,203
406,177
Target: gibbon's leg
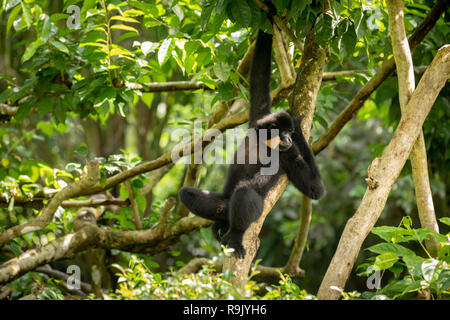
x,y
246,206
206,204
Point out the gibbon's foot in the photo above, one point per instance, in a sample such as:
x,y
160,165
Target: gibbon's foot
x,y
219,228
234,240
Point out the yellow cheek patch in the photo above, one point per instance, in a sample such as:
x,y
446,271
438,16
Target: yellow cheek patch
x,y
274,142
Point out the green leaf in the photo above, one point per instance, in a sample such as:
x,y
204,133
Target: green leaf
x,y
11,4
444,280
12,18
206,14
321,120
147,47
123,192
347,40
120,51
428,269
147,98
165,51
46,128
414,265
108,93
71,167
385,261
397,268
94,44
241,13
323,29
222,71
59,111
26,14
24,109
6,94
82,151
60,46
141,202
203,56
402,286
58,16
445,220
31,50
46,28
360,26
126,19
444,253
390,234
137,183
124,27
44,105
391,247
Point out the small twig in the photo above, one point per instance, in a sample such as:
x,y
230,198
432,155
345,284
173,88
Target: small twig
x,y
134,206
282,58
164,218
86,287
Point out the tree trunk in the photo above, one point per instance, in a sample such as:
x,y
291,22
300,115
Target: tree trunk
x,y
383,172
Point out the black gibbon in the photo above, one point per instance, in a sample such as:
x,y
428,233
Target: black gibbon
x,y
242,199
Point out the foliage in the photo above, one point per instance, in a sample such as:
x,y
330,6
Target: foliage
x,y
36,285
412,272
139,282
80,89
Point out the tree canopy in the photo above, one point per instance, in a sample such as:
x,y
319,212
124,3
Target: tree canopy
x,y
98,98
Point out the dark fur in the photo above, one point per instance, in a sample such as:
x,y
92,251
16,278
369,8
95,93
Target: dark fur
x,y
242,199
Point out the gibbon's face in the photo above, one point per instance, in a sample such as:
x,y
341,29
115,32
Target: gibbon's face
x,y
281,121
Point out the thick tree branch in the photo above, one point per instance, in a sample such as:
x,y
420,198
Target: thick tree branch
x,y
383,172
95,201
406,84
87,235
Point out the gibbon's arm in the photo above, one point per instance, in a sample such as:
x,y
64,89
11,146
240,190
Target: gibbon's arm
x,y
260,70
300,166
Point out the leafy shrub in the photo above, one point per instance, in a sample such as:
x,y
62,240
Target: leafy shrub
x,y
414,275
139,282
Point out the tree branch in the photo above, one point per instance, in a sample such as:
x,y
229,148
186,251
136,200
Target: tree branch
x,y
168,86
46,269
293,264
134,206
383,172
87,235
406,84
